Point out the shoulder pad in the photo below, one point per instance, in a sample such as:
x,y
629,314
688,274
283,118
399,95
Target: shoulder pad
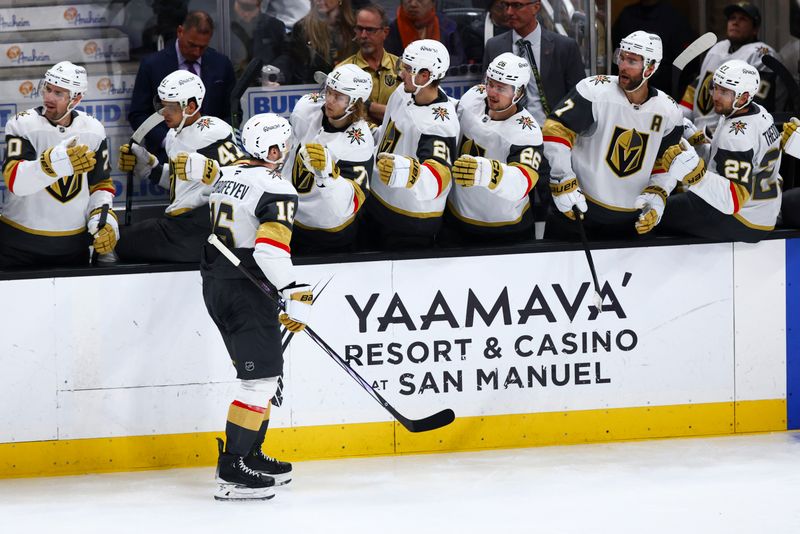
x,y
473,100
355,143
309,101
438,118
524,130
211,129
597,87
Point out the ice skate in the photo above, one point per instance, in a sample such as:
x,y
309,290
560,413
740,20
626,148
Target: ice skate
x,y
237,482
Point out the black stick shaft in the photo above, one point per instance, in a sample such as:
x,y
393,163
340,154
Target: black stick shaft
x,y
432,422
100,223
587,250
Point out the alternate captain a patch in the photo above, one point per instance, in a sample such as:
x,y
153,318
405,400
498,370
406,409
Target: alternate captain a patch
x,y
626,151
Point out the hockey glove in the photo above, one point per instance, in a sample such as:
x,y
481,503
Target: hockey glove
x,y
195,167
317,159
790,142
67,158
683,163
135,158
105,238
567,195
651,202
471,171
398,171
298,299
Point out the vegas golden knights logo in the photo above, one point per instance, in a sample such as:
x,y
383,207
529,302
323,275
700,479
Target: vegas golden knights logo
x,y
472,148
66,188
705,104
390,138
301,178
626,151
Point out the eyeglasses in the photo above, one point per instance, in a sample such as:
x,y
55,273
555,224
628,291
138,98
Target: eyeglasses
x,y
515,6
370,31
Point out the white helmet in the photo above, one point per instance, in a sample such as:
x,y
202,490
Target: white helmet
x,y
181,86
68,76
512,70
351,81
647,45
427,54
263,131
740,78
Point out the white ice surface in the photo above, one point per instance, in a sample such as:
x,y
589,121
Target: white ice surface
x,y
742,484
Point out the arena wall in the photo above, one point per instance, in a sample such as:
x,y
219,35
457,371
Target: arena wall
x,y
126,371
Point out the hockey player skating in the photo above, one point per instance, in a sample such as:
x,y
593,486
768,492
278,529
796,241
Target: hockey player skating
x,y
253,208
742,43
501,149
605,141
197,146
332,162
57,174
418,139
738,197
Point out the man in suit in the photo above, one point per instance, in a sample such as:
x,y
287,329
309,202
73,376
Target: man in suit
x,y
188,52
556,66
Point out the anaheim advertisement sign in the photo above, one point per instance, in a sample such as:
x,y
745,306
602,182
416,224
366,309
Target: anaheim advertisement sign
x,y
519,334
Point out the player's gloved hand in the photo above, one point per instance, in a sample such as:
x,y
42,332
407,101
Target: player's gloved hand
x,y
317,159
476,171
195,167
683,163
567,195
398,171
298,299
67,158
788,144
135,158
692,134
105,238
651,203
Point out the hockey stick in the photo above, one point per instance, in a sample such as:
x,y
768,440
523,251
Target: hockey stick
x,y
598,298
286,337
437,420
780,70
249,74
100,223
150,122
695,49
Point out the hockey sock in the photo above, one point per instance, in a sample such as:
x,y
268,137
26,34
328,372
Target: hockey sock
x,y
243,427
262,432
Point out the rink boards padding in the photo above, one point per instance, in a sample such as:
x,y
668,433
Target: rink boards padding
x,y
126,371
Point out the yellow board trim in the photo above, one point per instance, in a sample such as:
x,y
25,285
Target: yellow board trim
x,y
131,453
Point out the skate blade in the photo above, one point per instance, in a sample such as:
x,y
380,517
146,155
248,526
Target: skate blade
x,y
282,479
235,492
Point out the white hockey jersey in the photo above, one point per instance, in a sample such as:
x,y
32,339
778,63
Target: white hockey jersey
x,y
425,133
516,140
697,104
62,207
333,207
614,147
742,172
253,208
209,136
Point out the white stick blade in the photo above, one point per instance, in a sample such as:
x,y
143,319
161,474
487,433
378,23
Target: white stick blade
x,y
151,122
214,240
697,47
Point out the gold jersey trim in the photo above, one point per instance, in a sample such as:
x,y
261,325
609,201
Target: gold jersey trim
x,y
608,206
753,226
476,222
47,233
274,231
414,214
335,229
179,211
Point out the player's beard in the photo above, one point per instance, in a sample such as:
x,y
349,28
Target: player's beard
x,y
629,83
